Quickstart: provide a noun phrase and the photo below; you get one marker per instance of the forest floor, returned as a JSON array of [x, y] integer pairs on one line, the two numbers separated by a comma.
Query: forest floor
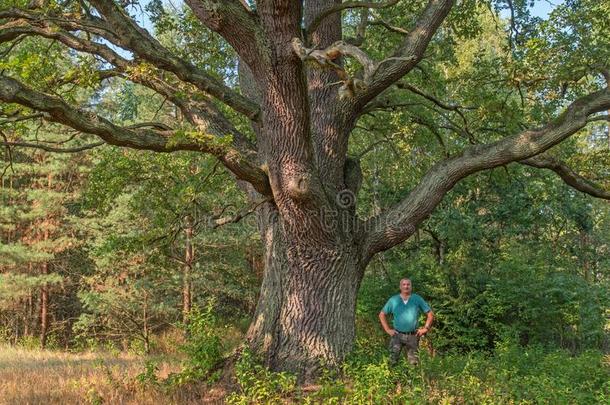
[[509, 375], [47, 377]]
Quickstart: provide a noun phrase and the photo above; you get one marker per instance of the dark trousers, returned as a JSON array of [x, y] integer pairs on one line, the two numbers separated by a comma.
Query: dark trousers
[[411, 345]]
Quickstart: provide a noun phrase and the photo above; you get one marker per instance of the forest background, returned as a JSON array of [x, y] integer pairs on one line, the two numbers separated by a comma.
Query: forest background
[[158, 257]]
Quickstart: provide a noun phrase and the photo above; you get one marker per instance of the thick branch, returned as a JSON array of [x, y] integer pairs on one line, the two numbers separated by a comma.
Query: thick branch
[[12, 91], [236, 23], [15, 29], [377, 76], [122, 31], [398, 223], [70, 22], [410, 52], [202, 113], [568, 175], [199, 111], [138, 40], [325, 58]]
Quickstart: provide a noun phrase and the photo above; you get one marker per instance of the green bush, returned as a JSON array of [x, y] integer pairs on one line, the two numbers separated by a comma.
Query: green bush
[[258, 385], [511, 374], [517, 299], [203, 347]]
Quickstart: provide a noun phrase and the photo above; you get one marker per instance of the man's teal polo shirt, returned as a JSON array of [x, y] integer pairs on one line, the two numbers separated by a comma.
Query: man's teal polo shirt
[[405, 315]]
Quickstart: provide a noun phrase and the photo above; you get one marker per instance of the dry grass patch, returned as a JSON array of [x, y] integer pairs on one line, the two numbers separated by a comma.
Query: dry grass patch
[[46, 377]]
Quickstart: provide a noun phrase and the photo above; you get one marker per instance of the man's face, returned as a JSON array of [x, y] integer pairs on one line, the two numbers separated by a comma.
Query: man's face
[[405, 286]]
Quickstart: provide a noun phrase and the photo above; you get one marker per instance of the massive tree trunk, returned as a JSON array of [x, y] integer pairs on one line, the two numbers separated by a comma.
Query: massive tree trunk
[[306, 310], [313, 260]]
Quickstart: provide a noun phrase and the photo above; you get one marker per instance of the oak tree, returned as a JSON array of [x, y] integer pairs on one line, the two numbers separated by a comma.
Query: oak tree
[[307, 77]]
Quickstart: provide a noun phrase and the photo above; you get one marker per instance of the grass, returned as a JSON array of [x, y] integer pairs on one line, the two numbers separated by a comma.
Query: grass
[[48, 377], [509, 375]]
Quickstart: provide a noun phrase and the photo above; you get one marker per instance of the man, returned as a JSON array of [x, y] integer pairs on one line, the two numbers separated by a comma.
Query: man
[[405, 309]]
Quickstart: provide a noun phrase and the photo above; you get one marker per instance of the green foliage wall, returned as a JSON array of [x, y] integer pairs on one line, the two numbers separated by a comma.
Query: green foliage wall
[[527, 270]]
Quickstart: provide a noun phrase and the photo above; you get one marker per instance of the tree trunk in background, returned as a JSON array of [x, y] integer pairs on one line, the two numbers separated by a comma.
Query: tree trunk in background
[[44, 309], [608, 131], [44, 290], [188, 267], [584, 254], [145, 327], [29, 317], [26, 319]]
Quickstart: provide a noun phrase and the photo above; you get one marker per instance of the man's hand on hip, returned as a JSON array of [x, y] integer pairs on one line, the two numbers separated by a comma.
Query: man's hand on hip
[[391, 332], [421, 332]]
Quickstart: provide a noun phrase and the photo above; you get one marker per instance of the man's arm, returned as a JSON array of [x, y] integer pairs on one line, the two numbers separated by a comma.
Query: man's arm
[[384, 323], [427, 325]]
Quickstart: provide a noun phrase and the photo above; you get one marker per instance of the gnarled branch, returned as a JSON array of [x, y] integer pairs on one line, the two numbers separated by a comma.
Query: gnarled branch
[[12, 91], [119, 29], [237, 24], [138, 40], [569, 176], [399, 222], [18, 28], [202, 113], [325, 58], [409, 53]]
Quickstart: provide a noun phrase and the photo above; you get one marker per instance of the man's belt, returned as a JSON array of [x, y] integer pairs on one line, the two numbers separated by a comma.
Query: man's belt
[[405, 333]]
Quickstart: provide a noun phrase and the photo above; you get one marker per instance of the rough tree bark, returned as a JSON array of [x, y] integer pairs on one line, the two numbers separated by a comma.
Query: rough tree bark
[[306, 310], [302, 106]]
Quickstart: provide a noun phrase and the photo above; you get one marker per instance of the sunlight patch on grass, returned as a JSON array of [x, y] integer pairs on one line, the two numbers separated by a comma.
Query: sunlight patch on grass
[[47, 377]]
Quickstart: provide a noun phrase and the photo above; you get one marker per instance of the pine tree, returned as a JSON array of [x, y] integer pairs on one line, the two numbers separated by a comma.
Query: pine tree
[[37, 191]]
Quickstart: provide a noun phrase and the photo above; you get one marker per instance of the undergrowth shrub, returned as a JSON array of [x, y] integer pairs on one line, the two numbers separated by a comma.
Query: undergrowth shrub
[[203, 349], [203, 346], [511, 374], [258, 385]]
